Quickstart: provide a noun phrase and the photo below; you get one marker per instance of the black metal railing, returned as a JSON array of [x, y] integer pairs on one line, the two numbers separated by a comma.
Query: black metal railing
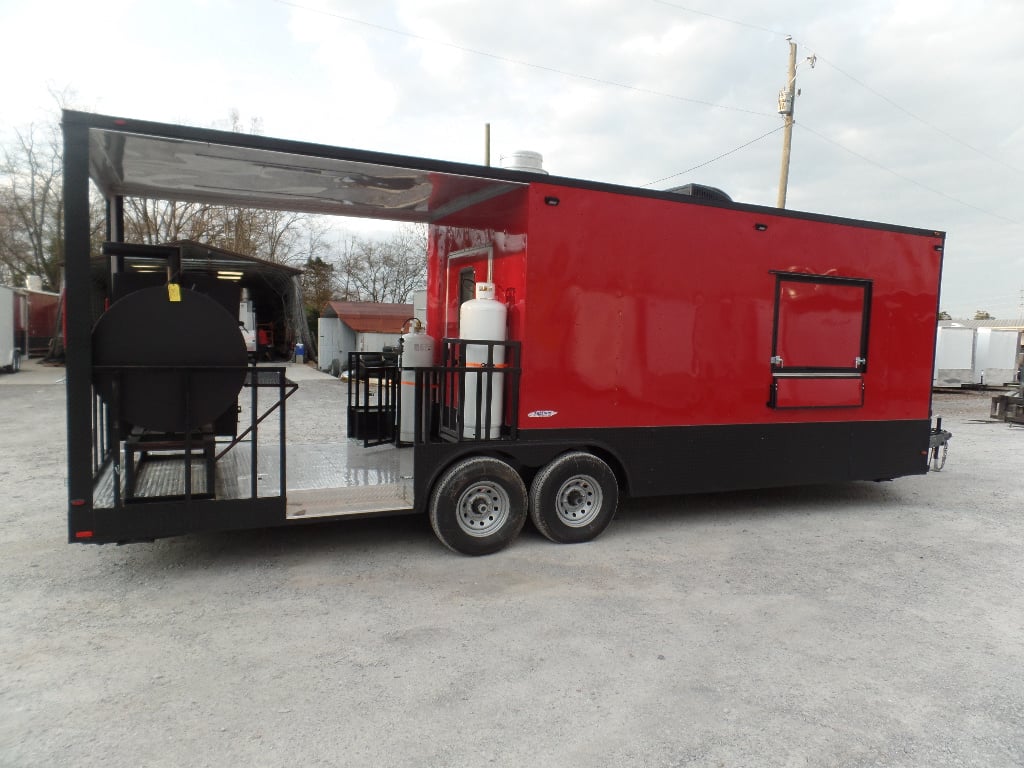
[[373, 397], [101, 453], [478, 390], [472, 395], [122, 449]]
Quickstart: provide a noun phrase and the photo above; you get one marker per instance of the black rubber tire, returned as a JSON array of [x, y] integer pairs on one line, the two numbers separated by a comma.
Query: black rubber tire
[[478, 507], [574, 498]]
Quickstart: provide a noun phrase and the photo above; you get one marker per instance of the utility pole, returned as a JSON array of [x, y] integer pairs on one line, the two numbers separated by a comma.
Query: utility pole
[[487, 143], [787, 98]]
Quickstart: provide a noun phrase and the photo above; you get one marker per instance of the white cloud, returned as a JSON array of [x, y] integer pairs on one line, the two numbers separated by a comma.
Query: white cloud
[[406, 80]]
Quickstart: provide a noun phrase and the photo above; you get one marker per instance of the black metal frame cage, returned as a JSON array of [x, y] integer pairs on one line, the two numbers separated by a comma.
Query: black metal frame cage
[[127, 483]]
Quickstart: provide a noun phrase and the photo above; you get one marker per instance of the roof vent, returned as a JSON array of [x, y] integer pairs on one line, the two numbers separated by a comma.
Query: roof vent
[[702, 192], [524, 160]]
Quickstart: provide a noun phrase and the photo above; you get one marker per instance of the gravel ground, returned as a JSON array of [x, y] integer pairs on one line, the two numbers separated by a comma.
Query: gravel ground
[[860, 625]]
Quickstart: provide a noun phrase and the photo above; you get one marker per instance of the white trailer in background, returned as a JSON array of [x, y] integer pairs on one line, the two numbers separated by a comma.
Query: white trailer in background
[[954, 356], [995, 356], [11, 330]]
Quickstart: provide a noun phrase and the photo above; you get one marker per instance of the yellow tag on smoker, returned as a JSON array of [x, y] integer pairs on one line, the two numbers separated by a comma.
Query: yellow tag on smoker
[[173, 292]]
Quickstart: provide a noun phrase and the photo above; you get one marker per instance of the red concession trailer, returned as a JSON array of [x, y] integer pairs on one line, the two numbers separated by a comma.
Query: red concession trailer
[[584, 342], [43, 309], [28, 318]]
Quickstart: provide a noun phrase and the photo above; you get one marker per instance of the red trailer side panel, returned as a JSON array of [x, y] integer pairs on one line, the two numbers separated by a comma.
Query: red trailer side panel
[[648, 312]]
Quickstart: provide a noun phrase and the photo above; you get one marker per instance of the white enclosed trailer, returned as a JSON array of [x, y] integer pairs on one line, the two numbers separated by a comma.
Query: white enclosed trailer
[[954, 356], [10, 344], [995, 356]]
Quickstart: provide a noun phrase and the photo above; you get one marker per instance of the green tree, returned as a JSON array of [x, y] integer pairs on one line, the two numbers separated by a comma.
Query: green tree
[[944, 315], [981, 314], [318, 283]]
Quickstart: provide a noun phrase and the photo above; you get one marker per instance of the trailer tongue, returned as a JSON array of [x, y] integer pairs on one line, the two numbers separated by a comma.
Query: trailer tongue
[[583, 342]]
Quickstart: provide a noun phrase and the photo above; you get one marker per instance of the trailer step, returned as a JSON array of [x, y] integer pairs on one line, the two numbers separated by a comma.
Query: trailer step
[[350, 501]]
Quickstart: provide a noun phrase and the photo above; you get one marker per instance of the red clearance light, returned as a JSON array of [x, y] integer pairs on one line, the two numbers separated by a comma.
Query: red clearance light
[[120, 121], [78, 502], [83, 534]]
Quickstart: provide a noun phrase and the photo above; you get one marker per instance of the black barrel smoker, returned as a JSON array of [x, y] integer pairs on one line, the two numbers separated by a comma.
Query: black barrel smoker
[[169, 362]]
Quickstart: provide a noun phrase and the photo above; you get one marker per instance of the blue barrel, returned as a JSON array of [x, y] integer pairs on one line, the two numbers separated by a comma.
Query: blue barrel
[[300, 353]]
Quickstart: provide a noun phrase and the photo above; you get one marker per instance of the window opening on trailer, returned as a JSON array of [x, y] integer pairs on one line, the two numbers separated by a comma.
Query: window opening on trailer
[[819, 341], [467, 285], [821, 324]]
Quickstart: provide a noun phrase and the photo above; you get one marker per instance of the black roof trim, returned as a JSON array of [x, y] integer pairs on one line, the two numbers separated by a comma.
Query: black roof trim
[[477, 176]]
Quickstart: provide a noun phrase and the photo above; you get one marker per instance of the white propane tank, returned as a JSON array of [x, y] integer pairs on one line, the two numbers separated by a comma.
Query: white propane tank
[[483, 318], [417, 352]]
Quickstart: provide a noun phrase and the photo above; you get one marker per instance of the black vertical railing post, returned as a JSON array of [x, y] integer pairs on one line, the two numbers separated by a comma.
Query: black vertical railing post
[[513, 389], [283, 486], [187, 374], [254, 442], [417, 405], [104, 428], [95, 436], [115, 426], [485, 433]]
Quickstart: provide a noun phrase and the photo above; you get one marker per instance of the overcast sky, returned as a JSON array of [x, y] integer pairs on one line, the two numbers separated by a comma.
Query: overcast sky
[[912, 115]]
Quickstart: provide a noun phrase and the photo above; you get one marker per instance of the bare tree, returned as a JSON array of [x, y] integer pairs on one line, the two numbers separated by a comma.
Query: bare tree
[[31, 228], [159, 221], [278, 236], [387, 270], [31, 200]]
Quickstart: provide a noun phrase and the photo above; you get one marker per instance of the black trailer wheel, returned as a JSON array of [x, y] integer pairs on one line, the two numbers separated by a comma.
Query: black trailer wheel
[[478, 506], [574, 498]]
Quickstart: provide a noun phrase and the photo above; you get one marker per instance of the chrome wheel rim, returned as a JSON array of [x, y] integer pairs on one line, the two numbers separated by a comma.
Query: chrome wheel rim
[[578, 501], [483, 508]]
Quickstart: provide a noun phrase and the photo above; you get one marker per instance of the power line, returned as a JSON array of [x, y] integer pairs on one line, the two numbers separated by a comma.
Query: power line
[[853, 79], [676, 97], [899, 175], [719, 18], [719, 157], [521, 62], [918, 118]]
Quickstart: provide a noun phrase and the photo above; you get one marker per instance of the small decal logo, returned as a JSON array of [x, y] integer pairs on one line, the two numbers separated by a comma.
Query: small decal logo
[[541, 414]]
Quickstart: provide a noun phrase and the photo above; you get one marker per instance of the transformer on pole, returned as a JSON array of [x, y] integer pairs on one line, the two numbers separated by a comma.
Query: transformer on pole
[[787, 98]]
